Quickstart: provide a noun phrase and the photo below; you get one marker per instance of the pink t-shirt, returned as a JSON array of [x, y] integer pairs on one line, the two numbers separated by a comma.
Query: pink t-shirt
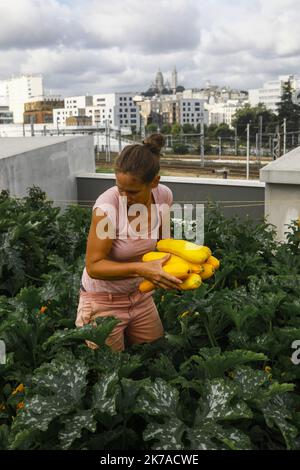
[[132, 247]]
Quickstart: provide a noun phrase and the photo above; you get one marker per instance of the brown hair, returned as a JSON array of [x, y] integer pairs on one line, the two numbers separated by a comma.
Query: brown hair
[[141, 161]]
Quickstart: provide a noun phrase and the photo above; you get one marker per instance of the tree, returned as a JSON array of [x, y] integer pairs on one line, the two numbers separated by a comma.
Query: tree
[[166, 129], [151, 127], [211, 131], [188, 128], [251, 115], [224, 131], [176, 129], [287, 109]]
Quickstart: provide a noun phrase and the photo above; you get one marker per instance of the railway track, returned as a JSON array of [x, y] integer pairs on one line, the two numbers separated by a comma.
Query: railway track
[[212, 168]]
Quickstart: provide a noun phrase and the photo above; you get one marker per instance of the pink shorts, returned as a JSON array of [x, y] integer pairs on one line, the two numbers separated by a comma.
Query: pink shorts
[[140, 322]]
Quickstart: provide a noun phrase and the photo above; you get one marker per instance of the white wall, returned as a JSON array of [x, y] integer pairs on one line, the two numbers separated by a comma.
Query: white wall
[[50, 163]]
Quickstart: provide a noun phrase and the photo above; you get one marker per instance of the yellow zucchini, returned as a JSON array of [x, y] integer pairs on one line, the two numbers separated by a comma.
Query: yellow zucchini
[[191, 252]]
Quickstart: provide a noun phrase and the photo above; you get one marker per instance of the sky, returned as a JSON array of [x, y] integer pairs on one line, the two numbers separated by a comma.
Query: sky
[[98, 46]]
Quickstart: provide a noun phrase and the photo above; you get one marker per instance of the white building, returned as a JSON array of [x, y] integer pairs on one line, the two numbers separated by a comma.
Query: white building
[[192, 111], [74, 106], [219, 113], [19, 91], [118, 109], [271, 92]]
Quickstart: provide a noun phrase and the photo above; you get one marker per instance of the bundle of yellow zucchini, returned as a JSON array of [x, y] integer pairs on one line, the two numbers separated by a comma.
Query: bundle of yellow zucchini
[[190, 262]]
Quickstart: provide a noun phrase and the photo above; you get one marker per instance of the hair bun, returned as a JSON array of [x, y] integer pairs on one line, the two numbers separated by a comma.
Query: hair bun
[[155, 142]]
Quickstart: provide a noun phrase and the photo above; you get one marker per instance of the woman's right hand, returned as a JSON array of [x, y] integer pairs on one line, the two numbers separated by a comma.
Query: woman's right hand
[[153, 271]]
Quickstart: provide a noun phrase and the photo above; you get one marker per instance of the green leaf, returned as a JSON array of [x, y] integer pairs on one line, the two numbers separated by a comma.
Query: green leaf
[[250, 381], [215, 364], [74, 425], [219, 402], [157, 398], [127, 398], [212, 436], [58, 389], [278, 416], [105, 393], [97, 334], [168, 435]]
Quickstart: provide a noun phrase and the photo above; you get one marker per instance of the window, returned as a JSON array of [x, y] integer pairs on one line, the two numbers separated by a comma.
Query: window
[[132, 109], [133, 121]]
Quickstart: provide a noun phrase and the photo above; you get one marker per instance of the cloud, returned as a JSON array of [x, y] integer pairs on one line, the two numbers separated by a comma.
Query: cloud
[[94, 46]]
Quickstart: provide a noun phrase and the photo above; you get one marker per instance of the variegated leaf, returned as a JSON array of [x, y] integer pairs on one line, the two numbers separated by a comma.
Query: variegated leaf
[[74, 425], [168, 435], [157, 398]]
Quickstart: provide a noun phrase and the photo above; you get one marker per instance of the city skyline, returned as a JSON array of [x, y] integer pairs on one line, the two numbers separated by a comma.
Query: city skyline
[[90, 46]]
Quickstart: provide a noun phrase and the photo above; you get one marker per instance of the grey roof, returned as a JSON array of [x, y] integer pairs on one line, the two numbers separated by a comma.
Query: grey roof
[[284, 170], [10, 146]]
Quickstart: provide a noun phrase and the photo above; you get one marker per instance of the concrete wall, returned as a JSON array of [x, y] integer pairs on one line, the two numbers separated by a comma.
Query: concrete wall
[[282, 178], [48, 162], [282, 206], [235, 197]]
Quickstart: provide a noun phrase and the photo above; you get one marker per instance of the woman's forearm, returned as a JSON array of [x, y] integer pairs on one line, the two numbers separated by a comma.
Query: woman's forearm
[[113, 270]]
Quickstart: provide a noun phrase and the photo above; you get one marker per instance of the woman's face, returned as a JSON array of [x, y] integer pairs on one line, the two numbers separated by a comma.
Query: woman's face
[[134, 189]]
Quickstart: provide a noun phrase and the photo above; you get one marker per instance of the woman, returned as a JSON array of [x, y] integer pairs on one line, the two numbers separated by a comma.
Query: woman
[[114, 270]]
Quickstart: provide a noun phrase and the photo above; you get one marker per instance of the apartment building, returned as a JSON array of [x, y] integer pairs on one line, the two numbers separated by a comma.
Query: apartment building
[[39, 110], [192, 111], [19, 90], [118, 109], [271, 92]]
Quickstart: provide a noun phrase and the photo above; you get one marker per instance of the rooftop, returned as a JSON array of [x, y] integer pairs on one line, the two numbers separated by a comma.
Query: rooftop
[[284, 170], [10, 146]]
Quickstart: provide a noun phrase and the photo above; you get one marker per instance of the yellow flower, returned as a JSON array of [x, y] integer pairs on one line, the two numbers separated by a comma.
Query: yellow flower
[[184, 314], [43, 309], [20, 405], [20, 389], [162, 298], [267, 369], [2, 407], [231, 375]]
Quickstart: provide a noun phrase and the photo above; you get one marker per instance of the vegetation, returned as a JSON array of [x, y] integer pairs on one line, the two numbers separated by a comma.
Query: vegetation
[[221, 378]]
